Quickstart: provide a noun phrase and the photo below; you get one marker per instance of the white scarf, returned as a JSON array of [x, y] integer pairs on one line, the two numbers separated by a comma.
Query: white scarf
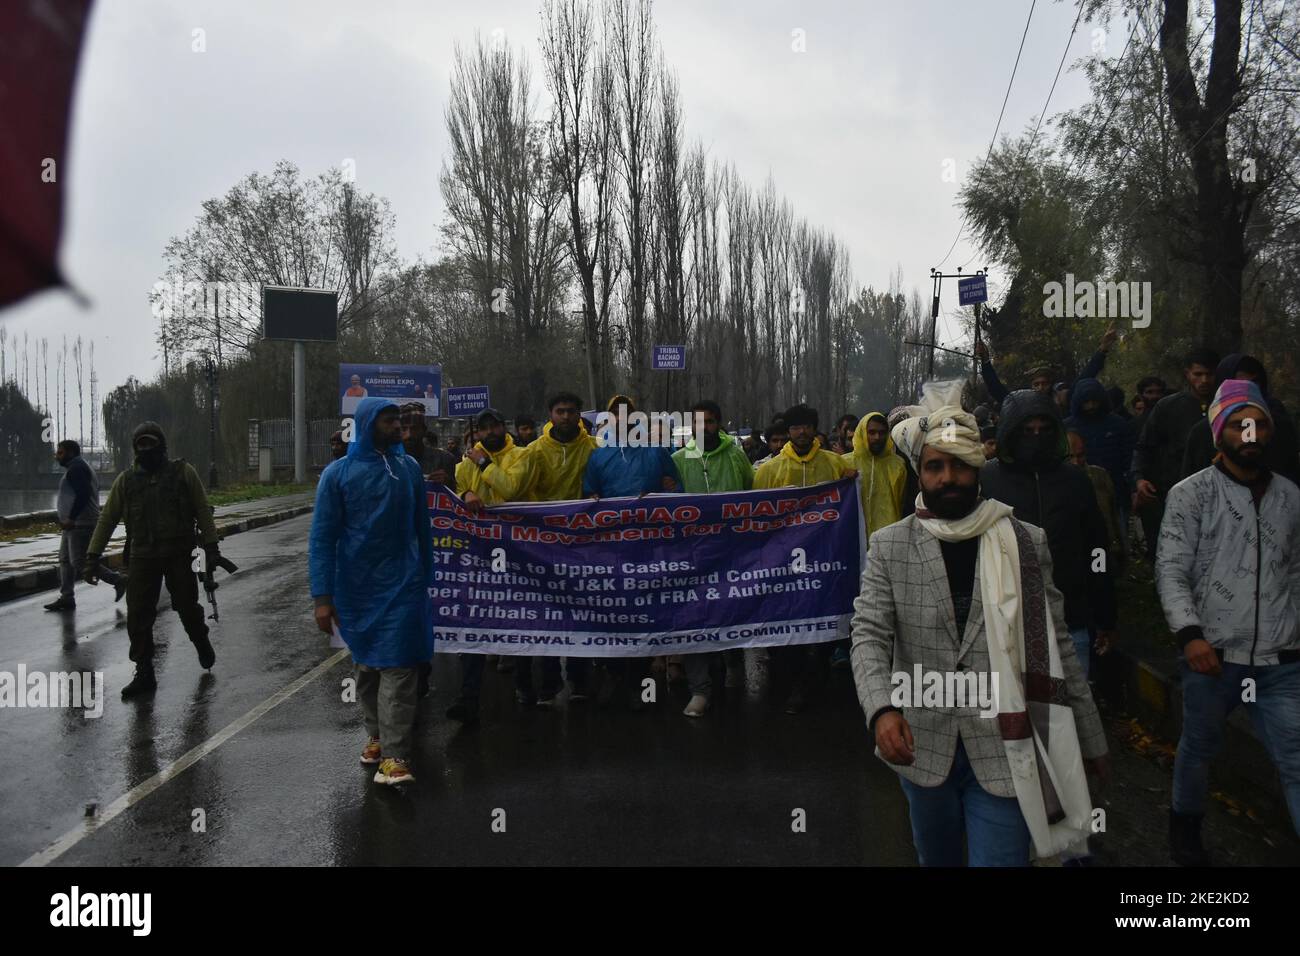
[[1059, 756]]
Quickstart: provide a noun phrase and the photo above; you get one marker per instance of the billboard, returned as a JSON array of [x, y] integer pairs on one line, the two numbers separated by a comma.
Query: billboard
[[300, 315], [401, 383]]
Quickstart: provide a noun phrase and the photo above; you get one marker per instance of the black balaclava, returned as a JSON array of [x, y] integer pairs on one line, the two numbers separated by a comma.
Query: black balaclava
[[1039, 451], [154, 458]]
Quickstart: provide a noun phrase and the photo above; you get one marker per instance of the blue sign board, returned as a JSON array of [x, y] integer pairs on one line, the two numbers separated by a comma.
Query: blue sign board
[[972, 290], [670, 357], [470, 400], [401, 383]]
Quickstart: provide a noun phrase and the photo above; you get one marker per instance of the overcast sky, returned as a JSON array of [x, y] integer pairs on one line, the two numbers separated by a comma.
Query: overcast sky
[[854, 130]]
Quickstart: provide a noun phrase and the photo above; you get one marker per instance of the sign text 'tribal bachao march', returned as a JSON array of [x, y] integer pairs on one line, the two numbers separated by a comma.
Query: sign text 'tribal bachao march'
[[637, 577]]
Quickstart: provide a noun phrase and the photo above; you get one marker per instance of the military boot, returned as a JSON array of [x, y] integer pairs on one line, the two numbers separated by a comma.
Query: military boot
[[207, 656], [144, 681]]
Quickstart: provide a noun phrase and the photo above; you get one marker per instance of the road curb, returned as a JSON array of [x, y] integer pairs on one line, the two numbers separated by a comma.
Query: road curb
[[26, 518], [1152, 693], [18, 584]]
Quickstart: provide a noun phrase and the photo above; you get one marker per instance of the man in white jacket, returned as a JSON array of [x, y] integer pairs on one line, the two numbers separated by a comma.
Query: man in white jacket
[[1228, 573]]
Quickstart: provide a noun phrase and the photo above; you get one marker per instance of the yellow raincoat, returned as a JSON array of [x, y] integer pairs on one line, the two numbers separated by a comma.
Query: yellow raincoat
[[556, 467], [882, 477], [507, 477], [788, 469]]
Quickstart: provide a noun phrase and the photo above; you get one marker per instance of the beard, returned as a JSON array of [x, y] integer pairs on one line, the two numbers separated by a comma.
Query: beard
[[1244, 456], [494, 442], [564, 433], [951, 501]]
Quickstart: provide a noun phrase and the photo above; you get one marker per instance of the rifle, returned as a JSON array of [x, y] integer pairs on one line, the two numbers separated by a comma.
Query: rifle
[[210, 582]]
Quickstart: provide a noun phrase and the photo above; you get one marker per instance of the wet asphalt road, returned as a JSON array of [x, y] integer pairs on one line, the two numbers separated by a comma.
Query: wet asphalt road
[[577, 785]]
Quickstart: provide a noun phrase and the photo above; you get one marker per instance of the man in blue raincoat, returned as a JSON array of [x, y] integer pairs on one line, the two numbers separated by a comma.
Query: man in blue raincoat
[[614, 470], [371, 562]]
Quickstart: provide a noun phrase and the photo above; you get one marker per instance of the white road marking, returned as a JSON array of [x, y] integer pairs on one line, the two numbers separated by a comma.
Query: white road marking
[[174, 769]]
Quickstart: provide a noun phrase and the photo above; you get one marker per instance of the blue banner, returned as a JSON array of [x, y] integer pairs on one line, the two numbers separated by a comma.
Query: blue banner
[[638, 577], [401, 383]]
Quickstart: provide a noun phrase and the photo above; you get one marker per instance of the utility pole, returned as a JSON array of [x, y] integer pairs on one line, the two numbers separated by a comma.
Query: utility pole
[[936, 278]]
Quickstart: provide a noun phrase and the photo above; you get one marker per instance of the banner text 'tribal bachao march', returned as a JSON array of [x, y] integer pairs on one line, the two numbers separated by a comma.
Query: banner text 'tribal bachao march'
[[638, 577]]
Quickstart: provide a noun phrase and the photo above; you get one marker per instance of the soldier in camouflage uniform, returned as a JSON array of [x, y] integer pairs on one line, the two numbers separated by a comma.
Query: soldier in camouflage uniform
[[162, 501]]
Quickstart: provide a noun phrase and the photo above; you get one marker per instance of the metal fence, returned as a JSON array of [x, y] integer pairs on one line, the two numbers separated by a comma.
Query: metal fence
[[277, 434]]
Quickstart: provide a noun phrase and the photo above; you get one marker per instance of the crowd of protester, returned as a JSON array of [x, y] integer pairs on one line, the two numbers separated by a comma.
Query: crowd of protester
[[1034, 499]]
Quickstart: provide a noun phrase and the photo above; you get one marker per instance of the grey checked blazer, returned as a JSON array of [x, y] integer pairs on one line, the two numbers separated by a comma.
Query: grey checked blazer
[[904, 616]]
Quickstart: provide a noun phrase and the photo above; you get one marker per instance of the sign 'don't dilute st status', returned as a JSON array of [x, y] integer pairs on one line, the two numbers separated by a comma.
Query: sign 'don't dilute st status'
[[466, 401], [972, 290]]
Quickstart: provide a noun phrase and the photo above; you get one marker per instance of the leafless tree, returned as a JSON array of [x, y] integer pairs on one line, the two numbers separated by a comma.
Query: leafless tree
[[94, 395], [634, 55], [276, 229], [81, 405], [503, 198], [583, 125]]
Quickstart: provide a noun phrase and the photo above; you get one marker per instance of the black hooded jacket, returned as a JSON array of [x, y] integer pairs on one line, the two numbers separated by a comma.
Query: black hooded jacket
[[1283, 452], [1058, 497]]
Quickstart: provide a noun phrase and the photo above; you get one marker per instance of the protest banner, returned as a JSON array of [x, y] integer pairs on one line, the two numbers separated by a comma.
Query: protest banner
[[635, 577]]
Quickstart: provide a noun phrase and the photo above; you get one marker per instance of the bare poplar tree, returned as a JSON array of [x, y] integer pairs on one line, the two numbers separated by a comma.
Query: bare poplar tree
[[503, 202], [63, 415], [81, 405], [583, 125], [94, 395], [671, 217], [634, 55]]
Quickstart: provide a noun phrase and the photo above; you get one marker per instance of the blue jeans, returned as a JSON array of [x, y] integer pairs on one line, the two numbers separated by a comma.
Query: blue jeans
[[1275, 712], [996, 833], [1082, 638]]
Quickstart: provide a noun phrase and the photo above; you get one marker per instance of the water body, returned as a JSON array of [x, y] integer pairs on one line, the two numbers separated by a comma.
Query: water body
[[18, 502]]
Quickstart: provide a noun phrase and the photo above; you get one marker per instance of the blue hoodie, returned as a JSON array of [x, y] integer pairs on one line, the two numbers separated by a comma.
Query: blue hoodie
[[1108, 439], [371, 548], [615, 471]]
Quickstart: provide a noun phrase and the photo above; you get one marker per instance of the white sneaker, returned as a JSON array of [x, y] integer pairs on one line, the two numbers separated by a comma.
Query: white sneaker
[[697, 706]]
